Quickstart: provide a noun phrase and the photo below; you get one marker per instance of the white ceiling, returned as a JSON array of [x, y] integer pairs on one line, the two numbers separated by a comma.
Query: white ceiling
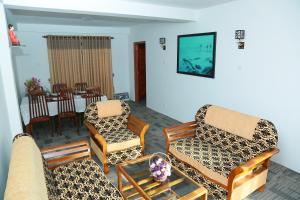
[[178, 8], [192, 4], [39, 17]]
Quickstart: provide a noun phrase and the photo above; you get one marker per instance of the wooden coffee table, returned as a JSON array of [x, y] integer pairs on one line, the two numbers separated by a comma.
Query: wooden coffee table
[[135, 182]]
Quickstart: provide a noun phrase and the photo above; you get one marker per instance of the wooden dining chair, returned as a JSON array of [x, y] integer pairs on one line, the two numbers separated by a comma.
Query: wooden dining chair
[[80, 87], [56, 88], [66, 108], [91, 98], [94, 90], [38, 111]]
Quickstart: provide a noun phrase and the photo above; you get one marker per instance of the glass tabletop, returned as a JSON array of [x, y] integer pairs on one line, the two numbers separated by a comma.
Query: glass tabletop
[[176, 186]]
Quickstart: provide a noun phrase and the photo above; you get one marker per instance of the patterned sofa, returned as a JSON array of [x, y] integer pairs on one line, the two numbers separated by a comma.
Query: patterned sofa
[[226, 151], [115, 138], [53, 174]]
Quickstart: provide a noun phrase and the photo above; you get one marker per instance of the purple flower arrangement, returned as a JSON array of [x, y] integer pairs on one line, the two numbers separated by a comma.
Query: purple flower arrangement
[[160, 169]]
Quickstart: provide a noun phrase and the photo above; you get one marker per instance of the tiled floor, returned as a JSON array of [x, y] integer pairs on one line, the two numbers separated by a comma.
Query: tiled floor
[[283, 183]]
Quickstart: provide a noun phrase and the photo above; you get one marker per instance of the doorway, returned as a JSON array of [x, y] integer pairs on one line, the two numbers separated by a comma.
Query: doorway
[[140, 71]]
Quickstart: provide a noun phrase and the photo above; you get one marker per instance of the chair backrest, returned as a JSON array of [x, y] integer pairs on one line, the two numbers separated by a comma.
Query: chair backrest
[[233, 134], [91, 98], [81, 86], [107, 124], [94, 90], [56, 88], [26, 178], [38, 106], [65, 101]]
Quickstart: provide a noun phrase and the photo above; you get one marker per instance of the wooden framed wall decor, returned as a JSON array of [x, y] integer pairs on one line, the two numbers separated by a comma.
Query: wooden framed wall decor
[[196, 54]]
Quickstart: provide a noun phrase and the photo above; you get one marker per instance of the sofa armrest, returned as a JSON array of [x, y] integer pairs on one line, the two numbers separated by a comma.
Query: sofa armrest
[[61, 154], [247, 170], [139, 127], [97, 137], [179, 131]]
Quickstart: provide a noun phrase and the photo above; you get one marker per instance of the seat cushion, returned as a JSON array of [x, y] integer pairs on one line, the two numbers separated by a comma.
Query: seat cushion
[[209, 159], [120, 140], [83, 180]]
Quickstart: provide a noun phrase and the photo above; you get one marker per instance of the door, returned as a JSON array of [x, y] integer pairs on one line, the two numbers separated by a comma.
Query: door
[[140, 71]]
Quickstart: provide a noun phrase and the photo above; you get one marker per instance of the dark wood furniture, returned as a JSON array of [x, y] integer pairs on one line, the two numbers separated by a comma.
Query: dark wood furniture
[[80, 87], [66, 108], [135, 182], [38, 111], [94, 90], [56, 88], [91, 98]]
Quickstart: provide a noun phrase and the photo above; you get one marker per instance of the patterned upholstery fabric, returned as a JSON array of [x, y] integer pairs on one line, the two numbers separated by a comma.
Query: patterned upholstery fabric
[[264, 138], [214, 191], [50, 182], [208, 155], [83, 180], [107, 124], [119, 136], [114, 130], [127, 154]]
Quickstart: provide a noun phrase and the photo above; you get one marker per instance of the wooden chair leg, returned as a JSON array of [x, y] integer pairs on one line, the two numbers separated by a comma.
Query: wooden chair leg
[[76, 123], [262, 188], [105, 168], [50, 126], [59, 125]]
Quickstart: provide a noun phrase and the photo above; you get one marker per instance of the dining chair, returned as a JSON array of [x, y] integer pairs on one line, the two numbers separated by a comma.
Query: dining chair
[[56, 88], [94, 90], [91, 98], [38, 111], [80, 87], [66, 108]]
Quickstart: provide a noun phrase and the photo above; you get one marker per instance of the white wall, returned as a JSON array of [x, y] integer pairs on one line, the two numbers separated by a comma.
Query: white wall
[[32, 60], [262, 80], [10, 123]]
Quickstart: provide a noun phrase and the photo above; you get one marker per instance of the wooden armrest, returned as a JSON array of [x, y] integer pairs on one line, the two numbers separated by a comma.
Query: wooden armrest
[[248, 167], [61, 154], [139, 127], [98, 138], [179, 131]]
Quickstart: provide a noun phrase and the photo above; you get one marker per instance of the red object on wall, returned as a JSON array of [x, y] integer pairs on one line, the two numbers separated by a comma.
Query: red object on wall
[[14, 40]]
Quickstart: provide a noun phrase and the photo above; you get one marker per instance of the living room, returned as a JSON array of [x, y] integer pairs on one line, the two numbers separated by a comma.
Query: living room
[[248, 80]]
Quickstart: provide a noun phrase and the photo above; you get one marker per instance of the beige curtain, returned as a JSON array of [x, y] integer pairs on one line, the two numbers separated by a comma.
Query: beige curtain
[[81, 59], [97, 63]]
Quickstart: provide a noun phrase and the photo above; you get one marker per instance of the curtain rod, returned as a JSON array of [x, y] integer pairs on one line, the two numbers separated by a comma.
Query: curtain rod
[[46, 36]]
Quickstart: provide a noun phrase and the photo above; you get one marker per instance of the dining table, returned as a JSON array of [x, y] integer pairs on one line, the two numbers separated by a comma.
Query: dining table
[[80, 106]]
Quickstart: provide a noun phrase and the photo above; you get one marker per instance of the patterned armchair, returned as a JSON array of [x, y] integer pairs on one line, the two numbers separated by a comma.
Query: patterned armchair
[[226, 151], [115, 138]]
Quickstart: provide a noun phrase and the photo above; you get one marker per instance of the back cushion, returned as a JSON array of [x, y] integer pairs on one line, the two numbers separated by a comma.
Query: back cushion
[[107, 124], [26, 178], [264, 136]]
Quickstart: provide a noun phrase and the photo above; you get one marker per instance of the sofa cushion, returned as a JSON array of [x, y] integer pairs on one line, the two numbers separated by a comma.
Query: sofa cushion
[[209, 159], [109, 108], [264, 138], [107, 124], [26, 178], [84, 180], [120, 140], [231, 121]]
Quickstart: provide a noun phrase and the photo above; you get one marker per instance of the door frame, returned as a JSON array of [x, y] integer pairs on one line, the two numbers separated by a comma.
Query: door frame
[[136, 80]]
